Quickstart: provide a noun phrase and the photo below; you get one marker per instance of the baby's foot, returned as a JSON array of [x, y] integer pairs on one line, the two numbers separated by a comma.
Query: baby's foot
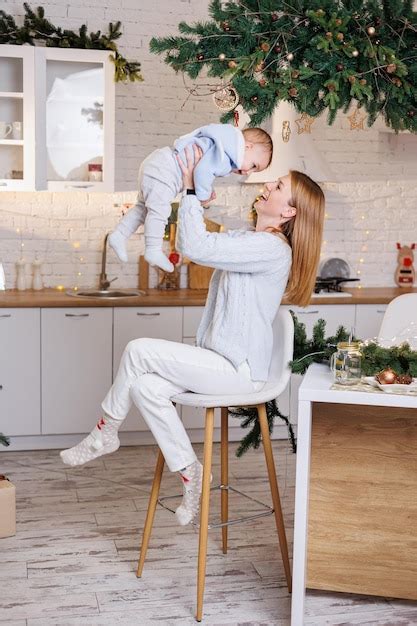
[[118, 242], [192, 479], [154, 256], [103, 439]]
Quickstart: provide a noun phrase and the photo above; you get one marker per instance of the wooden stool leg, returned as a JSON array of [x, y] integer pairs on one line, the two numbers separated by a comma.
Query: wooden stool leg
[[204, 512], [224, 461], [269, 458], [153, 499]]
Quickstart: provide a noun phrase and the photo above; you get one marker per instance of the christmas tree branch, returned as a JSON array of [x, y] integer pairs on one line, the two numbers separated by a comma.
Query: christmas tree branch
[[37, 28]]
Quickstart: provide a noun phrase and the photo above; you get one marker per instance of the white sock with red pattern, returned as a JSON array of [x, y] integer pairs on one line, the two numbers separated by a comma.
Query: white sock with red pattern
[[192, 479], [103, 439]]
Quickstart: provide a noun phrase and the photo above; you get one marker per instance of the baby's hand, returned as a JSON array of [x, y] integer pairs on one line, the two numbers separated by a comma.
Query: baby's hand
[[212, 197]]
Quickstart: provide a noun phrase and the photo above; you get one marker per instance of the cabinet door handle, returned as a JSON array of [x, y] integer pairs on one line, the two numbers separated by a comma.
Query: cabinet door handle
[[3, 184], [77, 314], [6, 315], [1, 387], [78, 186], [380, 311], [147, 314], [306, 312]]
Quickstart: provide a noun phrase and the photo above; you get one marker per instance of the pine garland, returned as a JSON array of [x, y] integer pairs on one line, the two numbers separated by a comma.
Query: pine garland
[[4, 441], [37, 28], [249, 417], [320, 55]]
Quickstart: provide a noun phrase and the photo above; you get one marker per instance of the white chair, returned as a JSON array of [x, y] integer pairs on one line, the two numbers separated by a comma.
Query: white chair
[[279, 376], [400, 312]]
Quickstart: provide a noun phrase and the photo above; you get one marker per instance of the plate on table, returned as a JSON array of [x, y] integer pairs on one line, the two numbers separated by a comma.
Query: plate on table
[[395, 388]]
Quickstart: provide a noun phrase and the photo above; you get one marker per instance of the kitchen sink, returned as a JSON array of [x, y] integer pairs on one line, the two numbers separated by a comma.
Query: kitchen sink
[[105, 293]]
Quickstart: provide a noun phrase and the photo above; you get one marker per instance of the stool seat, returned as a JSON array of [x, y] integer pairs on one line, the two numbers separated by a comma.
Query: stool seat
[[268, 392], [279, 374]]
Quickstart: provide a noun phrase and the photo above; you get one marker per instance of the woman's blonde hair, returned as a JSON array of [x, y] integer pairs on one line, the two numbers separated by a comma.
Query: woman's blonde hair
[[304, 234]]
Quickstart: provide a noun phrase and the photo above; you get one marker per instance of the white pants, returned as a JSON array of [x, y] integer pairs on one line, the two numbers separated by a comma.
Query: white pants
[[159, 182], [152, 371]]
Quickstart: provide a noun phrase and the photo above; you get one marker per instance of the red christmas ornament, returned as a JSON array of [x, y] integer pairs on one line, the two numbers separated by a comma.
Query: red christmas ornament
[[174, 257]]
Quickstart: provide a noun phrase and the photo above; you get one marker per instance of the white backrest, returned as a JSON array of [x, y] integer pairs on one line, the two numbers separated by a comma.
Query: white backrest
[[400, 312], [283, 348]]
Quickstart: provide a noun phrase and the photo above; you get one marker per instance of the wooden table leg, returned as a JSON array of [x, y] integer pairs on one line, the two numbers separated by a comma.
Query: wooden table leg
[[224, 474]]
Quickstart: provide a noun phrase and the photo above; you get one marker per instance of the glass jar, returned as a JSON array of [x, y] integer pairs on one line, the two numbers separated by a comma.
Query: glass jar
[[345, 363]]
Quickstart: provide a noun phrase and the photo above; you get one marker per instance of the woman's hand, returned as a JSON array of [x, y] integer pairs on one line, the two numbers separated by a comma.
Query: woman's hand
[[188, 168]]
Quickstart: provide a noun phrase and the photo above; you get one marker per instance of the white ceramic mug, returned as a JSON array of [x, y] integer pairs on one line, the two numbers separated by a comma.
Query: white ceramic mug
[[5, 130], [17, 130]]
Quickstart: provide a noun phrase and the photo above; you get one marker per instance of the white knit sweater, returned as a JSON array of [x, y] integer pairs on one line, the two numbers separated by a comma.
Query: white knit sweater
[[245, 291]]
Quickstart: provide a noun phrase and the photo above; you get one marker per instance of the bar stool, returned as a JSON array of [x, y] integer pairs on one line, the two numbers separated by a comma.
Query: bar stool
[[279, 374]]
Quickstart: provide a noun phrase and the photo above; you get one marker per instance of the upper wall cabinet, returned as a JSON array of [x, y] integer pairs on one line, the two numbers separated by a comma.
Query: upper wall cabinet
[[17, 118], [64, 100]]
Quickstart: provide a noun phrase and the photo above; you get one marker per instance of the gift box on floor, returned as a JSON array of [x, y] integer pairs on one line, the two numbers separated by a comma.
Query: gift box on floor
[[7, 508]]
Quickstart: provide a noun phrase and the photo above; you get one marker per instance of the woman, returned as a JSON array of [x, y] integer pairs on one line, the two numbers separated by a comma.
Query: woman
[[234, 340]]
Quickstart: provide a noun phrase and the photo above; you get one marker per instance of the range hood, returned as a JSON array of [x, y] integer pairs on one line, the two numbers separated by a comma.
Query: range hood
[[293, 150]]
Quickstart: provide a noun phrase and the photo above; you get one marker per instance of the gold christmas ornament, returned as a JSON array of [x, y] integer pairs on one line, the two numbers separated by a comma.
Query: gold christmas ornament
[[371, 30], [356, 120], [226, 99], [286, 131], [355, 53], [232, 64], [304, 123], [222, 56], [290, 56], [391, 68]]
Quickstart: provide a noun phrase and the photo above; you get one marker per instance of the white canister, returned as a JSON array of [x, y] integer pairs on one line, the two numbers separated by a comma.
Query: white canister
[[37, 282], [21, 275]]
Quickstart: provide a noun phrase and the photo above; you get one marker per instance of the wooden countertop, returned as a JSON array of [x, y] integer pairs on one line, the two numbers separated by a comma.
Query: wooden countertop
[[183, 297]]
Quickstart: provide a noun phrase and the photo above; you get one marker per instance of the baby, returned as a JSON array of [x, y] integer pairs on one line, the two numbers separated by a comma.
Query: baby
[[226, 149]]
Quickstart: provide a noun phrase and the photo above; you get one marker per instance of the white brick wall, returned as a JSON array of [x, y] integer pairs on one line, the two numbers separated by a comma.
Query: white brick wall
[[373, 205]]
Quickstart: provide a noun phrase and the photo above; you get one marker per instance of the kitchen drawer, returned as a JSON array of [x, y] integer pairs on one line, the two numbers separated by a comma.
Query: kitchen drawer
[[135, 322], [369, 319], [192, 318]]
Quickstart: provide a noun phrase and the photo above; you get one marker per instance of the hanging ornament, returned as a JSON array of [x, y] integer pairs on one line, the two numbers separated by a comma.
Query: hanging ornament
[[391, 68], [232, 64], [222, 56], [397, 82], [295, 74], [355, 53], [304, 123], [226, 99], [263, 82], [265, 46], [371, 30], [293, 92], [352, 79], [286, 131], [225, 26], [363, 81], [290, 56], [340, 36], [338, 21], [329, 35], [356, 120]]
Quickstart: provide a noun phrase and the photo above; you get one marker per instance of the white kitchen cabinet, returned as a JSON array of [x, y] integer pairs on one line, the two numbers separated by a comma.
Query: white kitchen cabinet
[[76, 367], [192, 319], [17, 97], [66, 101], [20, 360], [131, 323], [335, 315], [369, 319]]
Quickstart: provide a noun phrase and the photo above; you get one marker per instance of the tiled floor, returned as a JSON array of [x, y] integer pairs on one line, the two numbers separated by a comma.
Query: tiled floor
[[73, 559]]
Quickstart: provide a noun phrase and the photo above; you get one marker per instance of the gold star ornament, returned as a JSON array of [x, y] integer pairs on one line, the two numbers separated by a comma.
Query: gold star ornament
[[356, 120], [304, 123]]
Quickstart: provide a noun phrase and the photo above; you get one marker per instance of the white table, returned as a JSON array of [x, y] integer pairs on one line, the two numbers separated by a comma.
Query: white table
[[315, 388]]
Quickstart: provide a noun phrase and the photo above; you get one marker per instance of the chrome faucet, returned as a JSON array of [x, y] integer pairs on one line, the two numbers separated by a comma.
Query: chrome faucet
[[104, 284]]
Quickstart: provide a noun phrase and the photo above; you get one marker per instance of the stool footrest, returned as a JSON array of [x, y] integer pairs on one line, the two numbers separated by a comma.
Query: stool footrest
[[269, 510]]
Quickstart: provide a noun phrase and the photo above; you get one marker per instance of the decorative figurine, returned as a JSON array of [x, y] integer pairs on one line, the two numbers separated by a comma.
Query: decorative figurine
[[405, 273]]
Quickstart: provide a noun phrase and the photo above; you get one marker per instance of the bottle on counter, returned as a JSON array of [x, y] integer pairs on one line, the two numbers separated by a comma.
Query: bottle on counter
[[37, 282], [21, 275]]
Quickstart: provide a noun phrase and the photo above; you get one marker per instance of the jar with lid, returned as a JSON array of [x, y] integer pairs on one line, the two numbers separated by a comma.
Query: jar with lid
[[95, 172], [345, 363]]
